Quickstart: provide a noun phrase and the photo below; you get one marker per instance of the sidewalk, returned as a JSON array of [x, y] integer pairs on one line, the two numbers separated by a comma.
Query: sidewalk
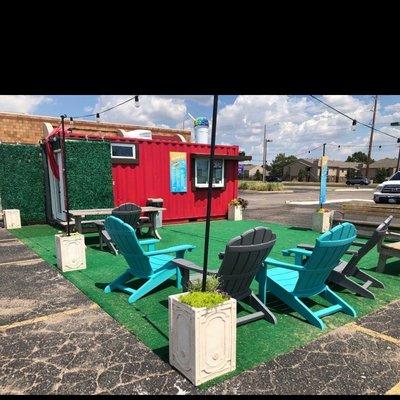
[[54, 340]]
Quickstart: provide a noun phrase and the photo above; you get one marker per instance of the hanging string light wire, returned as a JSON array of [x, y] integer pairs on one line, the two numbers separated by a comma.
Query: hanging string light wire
[[97, 114], [352, 119]]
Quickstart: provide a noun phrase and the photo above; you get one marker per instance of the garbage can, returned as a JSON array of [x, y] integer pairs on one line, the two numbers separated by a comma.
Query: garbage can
[[156, 202]]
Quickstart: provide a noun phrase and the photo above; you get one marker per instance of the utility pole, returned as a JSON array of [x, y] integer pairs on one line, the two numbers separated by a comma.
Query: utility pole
[[371, 137], [398, 141], [265, 151]]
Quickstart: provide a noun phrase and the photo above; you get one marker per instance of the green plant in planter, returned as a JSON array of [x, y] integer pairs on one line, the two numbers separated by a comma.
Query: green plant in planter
[[212, 297], [239, 202]]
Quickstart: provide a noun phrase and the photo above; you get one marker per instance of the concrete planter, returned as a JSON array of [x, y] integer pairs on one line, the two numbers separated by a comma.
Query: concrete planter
[[70, 252], [12, 219], [322, 221], [235, 213], [202, 342]]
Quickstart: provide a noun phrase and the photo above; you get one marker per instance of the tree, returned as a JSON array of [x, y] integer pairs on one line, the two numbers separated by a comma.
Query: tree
[[351, 173], [381, 174], [280, 161], [257, 175], [301, 175], [359, 156]]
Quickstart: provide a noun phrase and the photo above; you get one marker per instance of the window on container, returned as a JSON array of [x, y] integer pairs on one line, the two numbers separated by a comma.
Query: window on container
[[119, 150], [202, 170]]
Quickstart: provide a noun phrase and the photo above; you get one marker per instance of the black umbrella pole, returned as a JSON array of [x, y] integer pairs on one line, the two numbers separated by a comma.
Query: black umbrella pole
[[64, 169], [209, 192]]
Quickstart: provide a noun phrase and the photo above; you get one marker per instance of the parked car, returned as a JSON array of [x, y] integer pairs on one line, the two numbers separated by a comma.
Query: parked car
[[273, 179], [358, 181], [388, 191]]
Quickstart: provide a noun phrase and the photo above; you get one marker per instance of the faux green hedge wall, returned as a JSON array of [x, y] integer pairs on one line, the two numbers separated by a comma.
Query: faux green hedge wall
[[89, 174], [22, 181]]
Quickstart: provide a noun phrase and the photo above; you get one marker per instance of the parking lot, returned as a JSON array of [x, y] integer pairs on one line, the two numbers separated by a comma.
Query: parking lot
[[272, 206]]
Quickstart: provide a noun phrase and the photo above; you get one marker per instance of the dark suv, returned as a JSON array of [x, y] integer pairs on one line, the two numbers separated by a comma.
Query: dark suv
[[358, 181]]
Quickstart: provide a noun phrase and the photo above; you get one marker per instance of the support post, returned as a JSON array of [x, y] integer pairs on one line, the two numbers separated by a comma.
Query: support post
[[209, 192]]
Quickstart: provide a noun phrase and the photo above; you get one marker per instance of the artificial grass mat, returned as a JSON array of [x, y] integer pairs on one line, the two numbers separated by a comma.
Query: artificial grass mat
[[147, 319]]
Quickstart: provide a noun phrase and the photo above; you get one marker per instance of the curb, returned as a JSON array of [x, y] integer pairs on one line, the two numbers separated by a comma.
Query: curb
[[266, 191]]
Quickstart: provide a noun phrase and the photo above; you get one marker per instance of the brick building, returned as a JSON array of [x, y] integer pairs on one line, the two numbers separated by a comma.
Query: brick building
[[24, 128]]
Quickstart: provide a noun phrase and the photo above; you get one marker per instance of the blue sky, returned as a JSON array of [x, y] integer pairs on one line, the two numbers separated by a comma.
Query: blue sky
[[296, 124]]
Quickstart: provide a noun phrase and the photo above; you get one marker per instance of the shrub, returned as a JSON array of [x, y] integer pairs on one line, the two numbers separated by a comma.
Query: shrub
[[239, 202], [243, 185], [208, 299]]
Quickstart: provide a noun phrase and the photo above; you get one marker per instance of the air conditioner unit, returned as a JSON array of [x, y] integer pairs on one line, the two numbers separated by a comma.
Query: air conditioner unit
[[138, 134]]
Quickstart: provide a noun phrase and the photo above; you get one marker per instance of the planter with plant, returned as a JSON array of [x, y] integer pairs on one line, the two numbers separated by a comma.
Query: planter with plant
[[236, 207], [202, 332], [322, 220], [70, 251]]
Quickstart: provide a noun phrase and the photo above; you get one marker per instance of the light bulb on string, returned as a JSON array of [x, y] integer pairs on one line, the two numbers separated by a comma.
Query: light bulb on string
[[98, 118], [71, 122], [353, 125], [137, 105]]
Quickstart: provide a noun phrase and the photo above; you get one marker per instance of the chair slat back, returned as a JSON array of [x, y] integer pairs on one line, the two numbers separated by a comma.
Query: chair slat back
[[243, 258], [124, 236], [376, 237], [328, 250]]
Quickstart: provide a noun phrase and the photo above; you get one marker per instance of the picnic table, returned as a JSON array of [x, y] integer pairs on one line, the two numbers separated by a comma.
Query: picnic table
[[79, 215]]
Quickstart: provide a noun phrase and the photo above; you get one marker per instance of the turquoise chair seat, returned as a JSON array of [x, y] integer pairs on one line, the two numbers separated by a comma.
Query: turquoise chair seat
[[306, 277], [287, 279], [154, 266]]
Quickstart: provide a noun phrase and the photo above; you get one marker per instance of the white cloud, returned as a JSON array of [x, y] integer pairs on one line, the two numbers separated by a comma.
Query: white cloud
[[22, 103], [153, 110], [294, 123]]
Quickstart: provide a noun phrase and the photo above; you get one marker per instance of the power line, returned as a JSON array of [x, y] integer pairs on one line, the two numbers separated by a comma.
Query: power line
[[352, 119], [97, 114]]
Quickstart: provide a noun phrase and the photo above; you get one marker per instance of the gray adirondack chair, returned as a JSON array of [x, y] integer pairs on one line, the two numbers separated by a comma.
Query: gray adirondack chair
[[344, 270], [128, 213], [241, 262]]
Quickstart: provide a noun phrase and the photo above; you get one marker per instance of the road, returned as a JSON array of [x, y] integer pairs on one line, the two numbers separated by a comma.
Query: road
[[273, 208]]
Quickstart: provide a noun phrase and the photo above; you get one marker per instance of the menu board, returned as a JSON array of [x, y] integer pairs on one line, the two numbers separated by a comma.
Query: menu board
[[178, 172]]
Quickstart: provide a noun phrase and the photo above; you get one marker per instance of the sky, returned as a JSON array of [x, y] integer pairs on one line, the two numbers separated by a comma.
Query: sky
[[295, 124]]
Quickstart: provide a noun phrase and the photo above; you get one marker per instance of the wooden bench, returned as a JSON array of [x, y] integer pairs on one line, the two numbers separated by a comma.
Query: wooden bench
[[367, 216]]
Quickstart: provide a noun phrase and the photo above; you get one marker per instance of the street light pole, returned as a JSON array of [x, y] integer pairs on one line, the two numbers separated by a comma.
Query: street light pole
[[398, 141], [265, 151]]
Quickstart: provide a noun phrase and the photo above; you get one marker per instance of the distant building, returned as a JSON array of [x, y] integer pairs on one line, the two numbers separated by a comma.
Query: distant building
[[250, 170], [337, 170], [389, 164]]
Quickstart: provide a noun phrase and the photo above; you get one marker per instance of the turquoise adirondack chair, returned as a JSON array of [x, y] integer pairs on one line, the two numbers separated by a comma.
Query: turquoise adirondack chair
[[154, 266], [306, 278]]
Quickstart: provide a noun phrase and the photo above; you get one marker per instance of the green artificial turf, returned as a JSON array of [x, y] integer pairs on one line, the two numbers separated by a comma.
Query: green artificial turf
[[257, 342]]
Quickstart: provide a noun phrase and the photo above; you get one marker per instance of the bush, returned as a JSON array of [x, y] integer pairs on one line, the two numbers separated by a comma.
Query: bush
[[243, 185], [208, 299], [262, 186]]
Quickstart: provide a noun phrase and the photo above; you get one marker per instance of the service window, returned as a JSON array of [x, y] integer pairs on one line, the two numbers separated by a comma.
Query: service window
[[123, 152], [202, 166]]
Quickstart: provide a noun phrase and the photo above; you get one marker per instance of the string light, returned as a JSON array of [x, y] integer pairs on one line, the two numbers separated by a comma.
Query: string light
[[71, 122], [98, 117], [137, 105], [347, 116], [353, 125]]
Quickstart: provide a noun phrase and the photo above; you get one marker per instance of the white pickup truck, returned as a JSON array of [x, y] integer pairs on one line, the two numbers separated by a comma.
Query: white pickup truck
[[388, 191]]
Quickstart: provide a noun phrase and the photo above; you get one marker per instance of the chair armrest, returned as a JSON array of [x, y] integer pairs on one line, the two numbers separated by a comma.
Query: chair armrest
[[277, 263], [189, 265], [303, 252], [149, 241], [221, 255], [311, 247], [305, 246], [173, 249]]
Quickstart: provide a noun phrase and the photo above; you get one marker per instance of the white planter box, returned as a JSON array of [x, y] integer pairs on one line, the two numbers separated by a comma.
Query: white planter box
[[322, 221], [70, 252], [202, 342], [235, 213], [12, 219]]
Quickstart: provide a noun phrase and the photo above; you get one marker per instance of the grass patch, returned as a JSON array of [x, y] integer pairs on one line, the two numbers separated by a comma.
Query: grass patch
[[261, 186], [257, 342]]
